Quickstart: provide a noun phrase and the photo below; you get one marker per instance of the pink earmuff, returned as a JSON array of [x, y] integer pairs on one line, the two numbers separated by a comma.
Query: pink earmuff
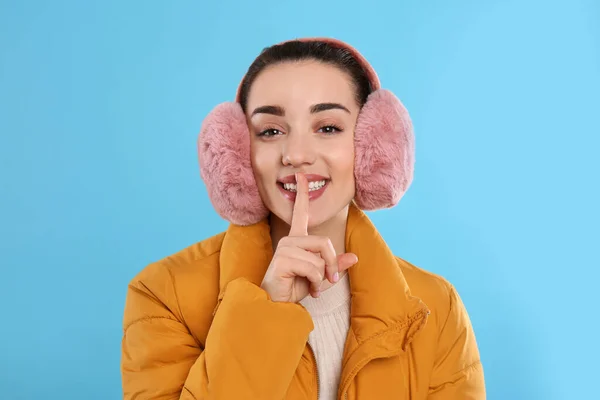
[[384, 153]]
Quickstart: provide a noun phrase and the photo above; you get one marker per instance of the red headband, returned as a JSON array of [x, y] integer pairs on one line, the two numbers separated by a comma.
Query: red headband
[[369, 71]]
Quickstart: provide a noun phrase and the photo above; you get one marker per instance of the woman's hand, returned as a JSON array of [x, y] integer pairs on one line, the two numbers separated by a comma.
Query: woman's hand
[[301, 261]]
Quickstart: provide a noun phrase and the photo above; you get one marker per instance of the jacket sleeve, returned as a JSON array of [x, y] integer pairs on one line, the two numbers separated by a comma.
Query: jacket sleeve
[[252, 349], [458, 372]]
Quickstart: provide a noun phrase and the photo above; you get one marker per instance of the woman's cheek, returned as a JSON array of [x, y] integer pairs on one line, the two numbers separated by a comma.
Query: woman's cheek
[[342, 151], [264, 158]]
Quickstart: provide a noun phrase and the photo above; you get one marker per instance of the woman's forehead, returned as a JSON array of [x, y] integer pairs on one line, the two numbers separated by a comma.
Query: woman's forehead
[[300, 85]]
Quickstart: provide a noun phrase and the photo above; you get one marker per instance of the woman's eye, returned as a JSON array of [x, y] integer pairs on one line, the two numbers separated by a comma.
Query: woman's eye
[[270, 132], [330, 129]]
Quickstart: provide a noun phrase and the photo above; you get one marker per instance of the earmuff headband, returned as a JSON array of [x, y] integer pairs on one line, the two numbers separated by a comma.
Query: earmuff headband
[[369, 71]]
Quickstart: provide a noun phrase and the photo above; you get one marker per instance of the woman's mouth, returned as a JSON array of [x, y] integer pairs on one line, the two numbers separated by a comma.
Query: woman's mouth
[[312, 186], [316, 188]]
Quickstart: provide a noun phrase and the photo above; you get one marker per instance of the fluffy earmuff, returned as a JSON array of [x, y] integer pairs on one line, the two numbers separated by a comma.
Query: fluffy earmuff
[[225, 165], [384, 155]]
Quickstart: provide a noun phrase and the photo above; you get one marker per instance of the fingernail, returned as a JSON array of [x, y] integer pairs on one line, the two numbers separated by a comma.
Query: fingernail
[[336, 277], [296, 176]]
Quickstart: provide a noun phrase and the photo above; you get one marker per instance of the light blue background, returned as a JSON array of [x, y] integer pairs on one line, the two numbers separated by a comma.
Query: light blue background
[[101, 102]]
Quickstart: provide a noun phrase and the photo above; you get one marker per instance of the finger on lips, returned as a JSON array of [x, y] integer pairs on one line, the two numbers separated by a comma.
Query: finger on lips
[[299, 226], [320, 247]]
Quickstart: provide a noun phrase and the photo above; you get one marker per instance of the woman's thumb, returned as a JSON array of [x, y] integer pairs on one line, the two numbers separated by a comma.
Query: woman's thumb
[[346, 260]]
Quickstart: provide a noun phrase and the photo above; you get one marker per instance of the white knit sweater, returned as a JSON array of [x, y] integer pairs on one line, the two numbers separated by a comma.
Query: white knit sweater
[[331, 317]]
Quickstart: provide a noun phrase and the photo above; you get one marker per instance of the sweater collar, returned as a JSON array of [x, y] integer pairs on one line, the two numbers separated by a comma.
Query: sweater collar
[[330, 300]]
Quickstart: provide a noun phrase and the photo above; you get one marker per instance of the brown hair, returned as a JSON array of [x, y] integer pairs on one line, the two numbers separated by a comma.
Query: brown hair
[[297, 50]]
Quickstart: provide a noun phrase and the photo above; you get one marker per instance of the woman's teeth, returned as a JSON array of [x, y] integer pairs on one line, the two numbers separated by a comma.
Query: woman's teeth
[[311, 186]]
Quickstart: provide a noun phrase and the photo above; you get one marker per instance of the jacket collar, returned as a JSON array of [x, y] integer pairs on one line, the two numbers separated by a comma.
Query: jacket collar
[[381, 298]]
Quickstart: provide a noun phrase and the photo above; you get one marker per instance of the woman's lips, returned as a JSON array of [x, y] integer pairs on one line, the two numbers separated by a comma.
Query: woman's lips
[[312, 194], [309, 177]]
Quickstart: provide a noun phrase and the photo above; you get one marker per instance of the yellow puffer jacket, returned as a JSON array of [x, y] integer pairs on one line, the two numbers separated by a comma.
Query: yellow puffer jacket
[[198, 326]]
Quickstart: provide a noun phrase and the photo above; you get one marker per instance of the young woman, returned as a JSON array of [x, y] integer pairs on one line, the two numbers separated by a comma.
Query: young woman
[[300, 298]]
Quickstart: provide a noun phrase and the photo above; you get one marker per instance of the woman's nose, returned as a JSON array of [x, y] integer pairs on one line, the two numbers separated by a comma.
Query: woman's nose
[[298, 149]]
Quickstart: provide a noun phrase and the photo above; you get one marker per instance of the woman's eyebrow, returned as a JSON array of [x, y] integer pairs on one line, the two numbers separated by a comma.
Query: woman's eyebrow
[[275, 110], [327, 106], [280, 111]]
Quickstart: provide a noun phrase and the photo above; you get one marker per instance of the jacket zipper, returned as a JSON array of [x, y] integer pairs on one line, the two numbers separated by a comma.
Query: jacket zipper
[[317, 372], [316, 368]]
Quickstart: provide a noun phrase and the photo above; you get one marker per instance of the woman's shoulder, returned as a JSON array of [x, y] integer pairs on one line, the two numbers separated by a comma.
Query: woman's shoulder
[[448, 339], [184, 284], [439, 294], [197, 259], [421, 280]]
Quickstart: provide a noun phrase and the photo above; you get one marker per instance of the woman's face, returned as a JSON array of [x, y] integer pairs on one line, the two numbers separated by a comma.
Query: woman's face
[[301, 117]]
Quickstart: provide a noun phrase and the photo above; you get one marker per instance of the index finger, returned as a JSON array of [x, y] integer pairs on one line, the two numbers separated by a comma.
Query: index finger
[[299, 226]]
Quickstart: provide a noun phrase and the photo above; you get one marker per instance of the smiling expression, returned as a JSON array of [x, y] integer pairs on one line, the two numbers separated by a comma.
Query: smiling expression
[[301, 117]]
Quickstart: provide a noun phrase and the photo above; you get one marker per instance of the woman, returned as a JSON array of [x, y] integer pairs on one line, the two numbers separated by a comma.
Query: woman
[[300, 298]]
